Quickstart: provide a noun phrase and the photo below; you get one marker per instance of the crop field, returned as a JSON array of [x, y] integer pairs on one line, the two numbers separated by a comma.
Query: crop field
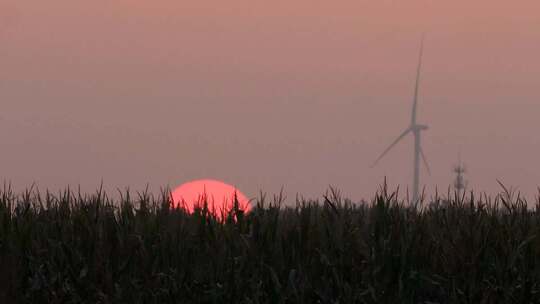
[[71, 248]]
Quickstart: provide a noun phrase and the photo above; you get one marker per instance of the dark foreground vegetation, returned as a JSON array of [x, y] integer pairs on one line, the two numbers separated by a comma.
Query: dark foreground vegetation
[[72, 249]]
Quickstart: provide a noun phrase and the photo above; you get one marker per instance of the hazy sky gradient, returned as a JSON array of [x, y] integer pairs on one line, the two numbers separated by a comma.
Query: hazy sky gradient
[[264, 94]]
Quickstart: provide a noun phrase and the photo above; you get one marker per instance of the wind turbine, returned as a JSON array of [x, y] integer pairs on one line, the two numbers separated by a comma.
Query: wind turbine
[[416, 129], [459, 183]]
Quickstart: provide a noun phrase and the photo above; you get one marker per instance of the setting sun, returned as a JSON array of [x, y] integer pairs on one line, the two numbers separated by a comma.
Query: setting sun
[[220, 196]]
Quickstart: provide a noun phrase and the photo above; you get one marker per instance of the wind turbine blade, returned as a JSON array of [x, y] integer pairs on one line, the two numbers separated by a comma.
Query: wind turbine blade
[[418, 70], [391, 146], [425, 160]]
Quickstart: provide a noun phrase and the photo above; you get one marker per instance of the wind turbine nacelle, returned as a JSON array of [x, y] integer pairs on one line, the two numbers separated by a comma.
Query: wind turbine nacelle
[[420, 127]]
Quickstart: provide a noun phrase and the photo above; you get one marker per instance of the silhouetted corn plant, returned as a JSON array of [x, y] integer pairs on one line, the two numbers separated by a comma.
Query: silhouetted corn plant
[[73, 248]]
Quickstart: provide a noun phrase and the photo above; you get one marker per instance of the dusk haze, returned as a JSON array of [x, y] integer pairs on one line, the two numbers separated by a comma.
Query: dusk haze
[[260, 152], [265, 95]]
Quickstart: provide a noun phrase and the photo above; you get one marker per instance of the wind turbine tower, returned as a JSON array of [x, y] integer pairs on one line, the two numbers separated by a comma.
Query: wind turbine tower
[[459, 183], [416, 129]]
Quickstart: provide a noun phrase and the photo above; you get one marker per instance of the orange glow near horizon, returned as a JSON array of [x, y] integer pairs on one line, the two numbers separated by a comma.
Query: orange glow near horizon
[[218, 195]]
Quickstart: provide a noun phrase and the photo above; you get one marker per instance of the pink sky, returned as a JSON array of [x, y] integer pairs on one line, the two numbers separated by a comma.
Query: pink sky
[[264, 94]]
